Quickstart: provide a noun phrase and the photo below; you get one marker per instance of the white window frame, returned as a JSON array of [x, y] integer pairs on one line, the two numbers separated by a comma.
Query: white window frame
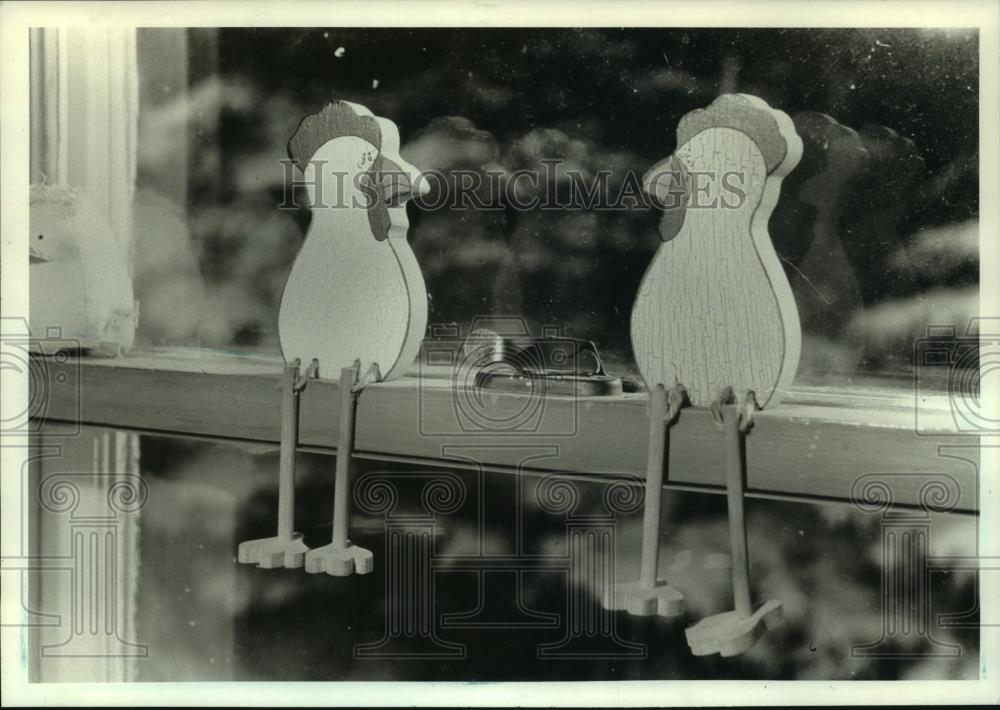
[[85, 106]]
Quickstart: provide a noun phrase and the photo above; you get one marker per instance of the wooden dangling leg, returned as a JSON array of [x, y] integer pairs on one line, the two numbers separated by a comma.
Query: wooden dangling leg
[[286, 549], [735, 490], [345, 445], [647, 595], [734, 632], [341, 557]]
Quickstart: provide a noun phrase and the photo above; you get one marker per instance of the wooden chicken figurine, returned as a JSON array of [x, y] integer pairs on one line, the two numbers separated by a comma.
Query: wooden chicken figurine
[[354, 304], [715, 317]]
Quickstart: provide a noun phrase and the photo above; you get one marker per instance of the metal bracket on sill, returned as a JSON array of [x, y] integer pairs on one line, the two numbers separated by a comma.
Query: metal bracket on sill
[[547, 365]]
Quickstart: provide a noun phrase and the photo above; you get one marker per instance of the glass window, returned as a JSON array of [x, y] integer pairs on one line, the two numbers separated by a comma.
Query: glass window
[[887, 248], [879, 245], [205, 617]]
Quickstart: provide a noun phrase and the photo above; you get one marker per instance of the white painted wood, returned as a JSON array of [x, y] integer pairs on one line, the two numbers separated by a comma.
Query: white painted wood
[[810, 445], [791, 324], [413, 278], [84, 138], [85, 87], [714, 308], [354, 294]]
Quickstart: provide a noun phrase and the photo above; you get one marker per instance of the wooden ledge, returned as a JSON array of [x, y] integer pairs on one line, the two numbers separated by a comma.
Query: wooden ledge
[[814, 446]]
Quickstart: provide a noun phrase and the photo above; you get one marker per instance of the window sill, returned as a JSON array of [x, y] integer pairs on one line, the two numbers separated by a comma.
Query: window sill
[[813, 446]]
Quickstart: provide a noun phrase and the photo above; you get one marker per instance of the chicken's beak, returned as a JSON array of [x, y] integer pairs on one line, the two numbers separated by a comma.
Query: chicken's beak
[[36, 256], [401, 181]]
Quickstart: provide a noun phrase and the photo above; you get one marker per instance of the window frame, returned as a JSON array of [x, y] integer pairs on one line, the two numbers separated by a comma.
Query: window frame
[[85, 108], [812, 447]]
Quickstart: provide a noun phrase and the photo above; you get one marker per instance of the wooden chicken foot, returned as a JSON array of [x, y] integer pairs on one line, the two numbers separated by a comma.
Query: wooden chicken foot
[[286, 549], [341, 557], [372, 374], [734, 632], [649, 595]]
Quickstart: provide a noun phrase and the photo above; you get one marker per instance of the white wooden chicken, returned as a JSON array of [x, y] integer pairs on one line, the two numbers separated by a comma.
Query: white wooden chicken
[[715, 321], [355, 291], [715, 308], [354, 305]]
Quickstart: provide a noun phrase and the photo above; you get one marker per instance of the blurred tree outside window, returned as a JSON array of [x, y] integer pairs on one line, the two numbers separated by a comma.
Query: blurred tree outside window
[[218, 106]]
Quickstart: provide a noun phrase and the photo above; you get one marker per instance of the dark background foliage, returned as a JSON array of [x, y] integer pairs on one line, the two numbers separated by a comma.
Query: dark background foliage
[[598, 99]]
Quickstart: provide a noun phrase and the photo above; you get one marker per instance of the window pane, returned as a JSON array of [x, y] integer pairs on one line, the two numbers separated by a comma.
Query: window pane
[[205, 617], [873, 261]]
